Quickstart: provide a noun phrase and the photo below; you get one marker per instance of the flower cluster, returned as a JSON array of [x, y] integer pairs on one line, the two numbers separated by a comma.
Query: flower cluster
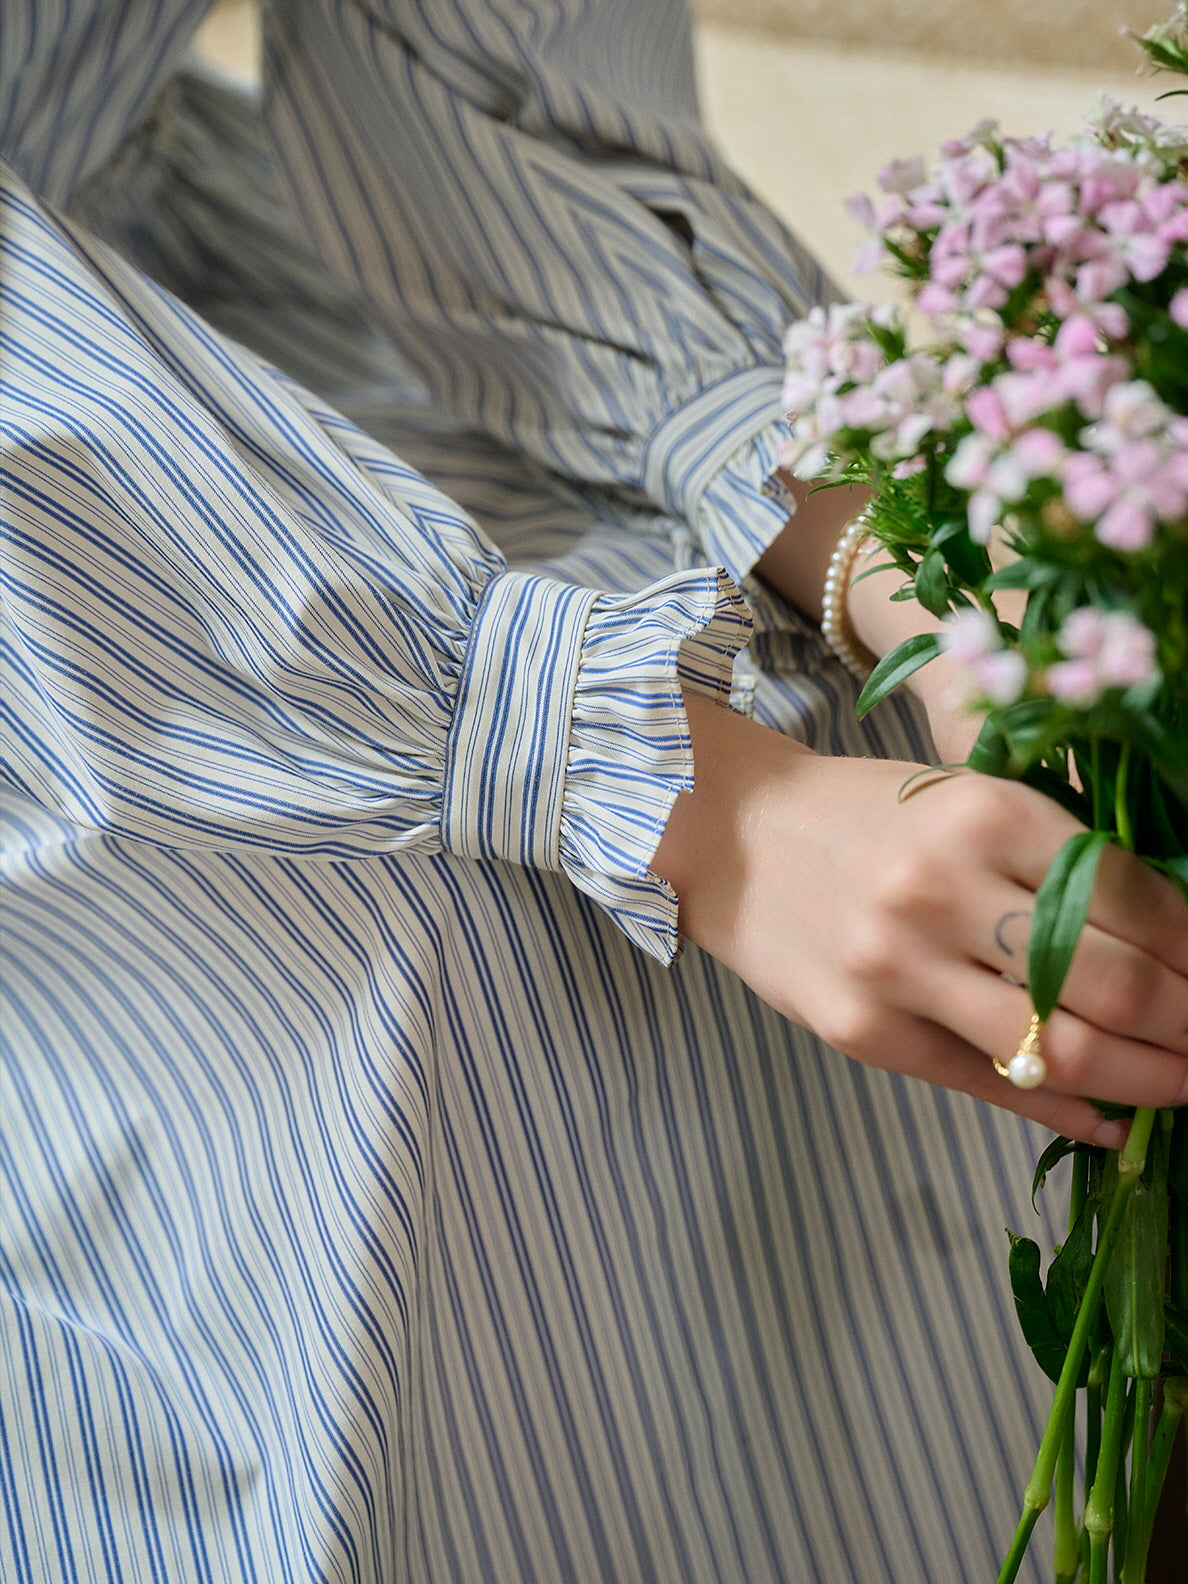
[[1102, 650], [1070, 224], [839, 379], [1130, 475], [1050, 401]]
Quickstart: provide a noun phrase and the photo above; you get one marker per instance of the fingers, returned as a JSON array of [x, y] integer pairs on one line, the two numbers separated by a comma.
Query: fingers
[[991, 1016], [1131, 900], [1135, 902], [939, 1056], [1112, 984]]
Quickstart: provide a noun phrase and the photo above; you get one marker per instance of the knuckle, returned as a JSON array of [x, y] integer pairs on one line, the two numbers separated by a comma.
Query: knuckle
[[908, 886], [1073, 1057], [853, 1027], [874, 951], [1124, 988], [981, 811]]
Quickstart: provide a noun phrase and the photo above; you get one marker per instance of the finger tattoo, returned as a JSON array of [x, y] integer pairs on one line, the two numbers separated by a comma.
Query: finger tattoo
[[1000, 939]]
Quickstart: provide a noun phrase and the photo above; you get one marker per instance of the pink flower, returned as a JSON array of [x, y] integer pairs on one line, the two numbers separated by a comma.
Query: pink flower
[[1077, 337], [969, 465], [1109, 317], [983, 512], [1178, 308], [972, 637], [986, 412], [1126, 525], [1073, 681], [1106, 649], [1100, 278], [936, 300], [970, 634], [982, 341], [1037, 453], [1002, 676], [902, 175], [1006, 264], [959, 373], [1088, 487], [860, 209], [1024, 396], [868, 256], [984, 292], [1127, 653]]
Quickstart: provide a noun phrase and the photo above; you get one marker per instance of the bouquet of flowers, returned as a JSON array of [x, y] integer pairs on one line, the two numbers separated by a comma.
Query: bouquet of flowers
[[1039, 442]]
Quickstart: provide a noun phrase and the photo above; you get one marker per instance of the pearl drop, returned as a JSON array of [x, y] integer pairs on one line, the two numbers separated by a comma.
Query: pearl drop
[[1027, 1070]]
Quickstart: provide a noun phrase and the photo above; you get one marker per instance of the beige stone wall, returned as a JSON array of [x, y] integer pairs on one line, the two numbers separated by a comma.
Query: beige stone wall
[[1062, 33]]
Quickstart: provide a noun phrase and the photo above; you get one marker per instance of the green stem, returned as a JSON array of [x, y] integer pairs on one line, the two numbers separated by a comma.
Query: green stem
[[1131, 1161], [1066, 1547], [1098, 801], [1121, 1501], [1099, 1509], [1175, 1402], [1122, 821], [1093, 1427], [1134, 1569]]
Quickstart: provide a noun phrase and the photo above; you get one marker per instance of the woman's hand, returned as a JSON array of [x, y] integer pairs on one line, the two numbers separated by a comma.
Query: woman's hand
[[887, 926]]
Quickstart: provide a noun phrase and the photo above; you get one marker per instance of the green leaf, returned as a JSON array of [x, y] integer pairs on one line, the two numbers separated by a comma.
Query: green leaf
[[1068, 1276], [1134, 1279], [1168, 751], [1177, 1171], [932, 583], [1024, 573], [1061, 907], [1031, 1306], [1177, 1212], [1059, 790], [1055, 1152], [969, 562], [991, 753], [896, 667], [1171, 830]]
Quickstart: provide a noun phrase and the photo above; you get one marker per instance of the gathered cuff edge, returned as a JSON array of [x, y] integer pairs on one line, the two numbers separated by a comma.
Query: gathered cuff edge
[[630, 751]]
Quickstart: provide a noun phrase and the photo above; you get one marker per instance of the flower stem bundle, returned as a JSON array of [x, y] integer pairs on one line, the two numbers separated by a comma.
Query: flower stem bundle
[[1038, 443]]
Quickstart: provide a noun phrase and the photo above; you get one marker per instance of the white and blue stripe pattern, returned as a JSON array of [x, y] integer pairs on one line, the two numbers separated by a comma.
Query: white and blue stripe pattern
[[372, 1212]]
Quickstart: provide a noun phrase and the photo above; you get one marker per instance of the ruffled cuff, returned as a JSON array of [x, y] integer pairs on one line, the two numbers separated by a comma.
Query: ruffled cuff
[[569, 742], [630, 752], [709, 465]]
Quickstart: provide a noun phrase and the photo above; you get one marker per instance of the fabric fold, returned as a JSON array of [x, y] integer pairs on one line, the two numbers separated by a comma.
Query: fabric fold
[[614, 309], [296, 644]]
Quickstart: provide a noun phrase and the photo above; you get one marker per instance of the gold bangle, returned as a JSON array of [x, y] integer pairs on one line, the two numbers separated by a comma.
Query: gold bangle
[[836, 630]]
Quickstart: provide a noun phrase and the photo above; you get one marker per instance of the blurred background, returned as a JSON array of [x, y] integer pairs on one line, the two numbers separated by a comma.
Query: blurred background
[[809, 98]]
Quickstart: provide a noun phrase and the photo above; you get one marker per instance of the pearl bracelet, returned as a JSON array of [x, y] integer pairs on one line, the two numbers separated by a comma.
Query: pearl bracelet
[[835, 627]]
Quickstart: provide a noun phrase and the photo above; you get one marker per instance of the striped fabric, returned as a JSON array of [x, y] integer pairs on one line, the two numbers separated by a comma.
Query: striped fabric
[[382, 1200]]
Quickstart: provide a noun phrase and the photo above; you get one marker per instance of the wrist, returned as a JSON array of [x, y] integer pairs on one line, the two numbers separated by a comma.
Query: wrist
[[795, 564], [707, 851]]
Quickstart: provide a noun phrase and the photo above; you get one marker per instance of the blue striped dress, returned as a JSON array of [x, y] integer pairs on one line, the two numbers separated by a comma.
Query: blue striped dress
[[385, 1197]]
